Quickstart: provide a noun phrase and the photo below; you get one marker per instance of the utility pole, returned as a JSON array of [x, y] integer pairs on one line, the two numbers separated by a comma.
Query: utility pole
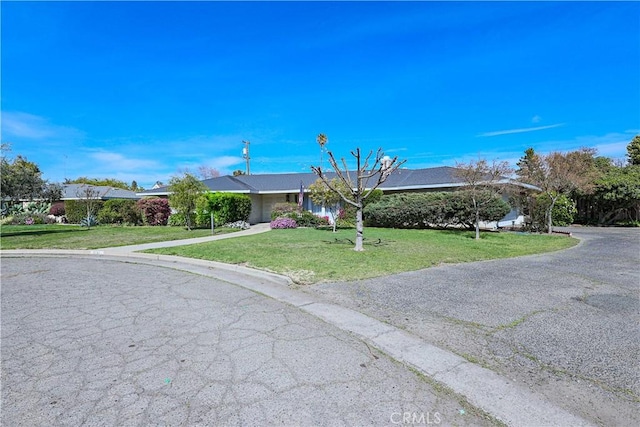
[[245, 155]]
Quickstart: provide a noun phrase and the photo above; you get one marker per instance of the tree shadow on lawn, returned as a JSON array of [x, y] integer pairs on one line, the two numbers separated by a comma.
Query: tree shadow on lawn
[[39, 232]]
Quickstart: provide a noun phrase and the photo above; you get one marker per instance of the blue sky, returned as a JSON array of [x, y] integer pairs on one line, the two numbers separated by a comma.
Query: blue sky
[[143, 90]]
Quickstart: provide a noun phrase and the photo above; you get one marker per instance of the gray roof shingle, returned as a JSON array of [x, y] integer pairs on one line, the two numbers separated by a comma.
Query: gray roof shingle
[[75, 191], [443, 177]]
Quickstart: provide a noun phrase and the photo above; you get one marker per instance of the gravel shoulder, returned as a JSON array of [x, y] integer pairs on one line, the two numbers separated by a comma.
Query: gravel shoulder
[[564, 324]]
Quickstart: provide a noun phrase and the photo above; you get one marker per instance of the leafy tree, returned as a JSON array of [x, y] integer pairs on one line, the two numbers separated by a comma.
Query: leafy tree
[[100, 182], [21, 180], [356, 188], [618, 192], [238, 172], [52, 192], [321, 194], [559, 173], [633, 151], [483, 181], [184, 196]]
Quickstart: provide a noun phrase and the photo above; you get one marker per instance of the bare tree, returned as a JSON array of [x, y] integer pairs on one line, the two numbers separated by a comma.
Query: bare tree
[[356, 183], [484, 182], [90, 197], [206, 172]]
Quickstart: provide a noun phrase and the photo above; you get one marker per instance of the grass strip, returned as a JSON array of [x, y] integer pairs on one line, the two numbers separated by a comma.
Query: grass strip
[[308, 255]]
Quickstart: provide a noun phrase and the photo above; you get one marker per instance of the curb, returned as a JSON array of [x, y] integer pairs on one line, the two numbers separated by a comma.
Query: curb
[[508, 402]]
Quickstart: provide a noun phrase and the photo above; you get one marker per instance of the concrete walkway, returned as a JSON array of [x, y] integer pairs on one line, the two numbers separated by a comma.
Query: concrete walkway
[[255, 229], [483, 388]]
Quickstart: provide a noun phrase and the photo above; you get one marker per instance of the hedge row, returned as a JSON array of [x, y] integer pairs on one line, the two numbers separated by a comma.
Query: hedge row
[[431, 210], [120, 211], [227, 208], [76, 210]]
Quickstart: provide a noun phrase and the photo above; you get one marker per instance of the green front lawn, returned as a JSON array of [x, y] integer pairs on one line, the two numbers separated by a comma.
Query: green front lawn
[[76, 237], [308, 255]]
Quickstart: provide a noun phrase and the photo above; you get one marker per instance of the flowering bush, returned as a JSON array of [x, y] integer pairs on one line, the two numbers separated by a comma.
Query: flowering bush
[[284, 223], [57, 209], [29, 221]]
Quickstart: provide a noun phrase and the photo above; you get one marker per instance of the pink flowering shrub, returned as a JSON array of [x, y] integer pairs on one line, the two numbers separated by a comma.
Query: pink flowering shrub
[[284, 223]]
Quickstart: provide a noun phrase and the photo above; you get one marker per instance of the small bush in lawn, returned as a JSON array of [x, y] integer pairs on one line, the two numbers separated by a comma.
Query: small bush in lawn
[[284, 223]]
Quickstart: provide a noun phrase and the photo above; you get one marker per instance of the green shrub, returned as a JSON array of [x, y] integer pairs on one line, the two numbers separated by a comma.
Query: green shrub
[[76, 210], [177, 220], [431, 210], [226, 207], [281, 210], [374, 197], [120, 211], [563, 213]]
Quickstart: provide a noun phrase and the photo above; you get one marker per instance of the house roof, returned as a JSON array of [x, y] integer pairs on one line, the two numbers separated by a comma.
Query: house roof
[[401, 179], [75, 192]]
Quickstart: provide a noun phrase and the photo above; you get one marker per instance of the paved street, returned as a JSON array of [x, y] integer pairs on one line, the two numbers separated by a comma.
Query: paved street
[[98, 342], [564, 324]]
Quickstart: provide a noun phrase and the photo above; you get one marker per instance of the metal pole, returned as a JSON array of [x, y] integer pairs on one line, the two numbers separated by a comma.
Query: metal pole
[[212, 223], [245, 154]]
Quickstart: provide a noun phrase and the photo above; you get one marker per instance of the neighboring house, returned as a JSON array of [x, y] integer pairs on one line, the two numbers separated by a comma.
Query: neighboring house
[[266, 190], [76, 191]]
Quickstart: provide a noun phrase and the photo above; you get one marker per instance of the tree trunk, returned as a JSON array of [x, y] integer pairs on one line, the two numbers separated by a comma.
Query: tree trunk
[[334, 218], [477, 224], [359, 229], [550, 216]]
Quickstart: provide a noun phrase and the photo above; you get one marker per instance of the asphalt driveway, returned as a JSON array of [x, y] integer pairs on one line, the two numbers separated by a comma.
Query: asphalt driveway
[[97, 342], [565, 324]]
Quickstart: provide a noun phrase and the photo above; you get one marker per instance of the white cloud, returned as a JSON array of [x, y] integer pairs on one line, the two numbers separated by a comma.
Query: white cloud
[[118, 162], [23, 125], [536, 119], [521, 130]]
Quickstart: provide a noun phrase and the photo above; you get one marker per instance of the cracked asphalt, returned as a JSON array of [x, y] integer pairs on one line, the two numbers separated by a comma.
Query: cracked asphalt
[[98, 342], [564, 324]]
